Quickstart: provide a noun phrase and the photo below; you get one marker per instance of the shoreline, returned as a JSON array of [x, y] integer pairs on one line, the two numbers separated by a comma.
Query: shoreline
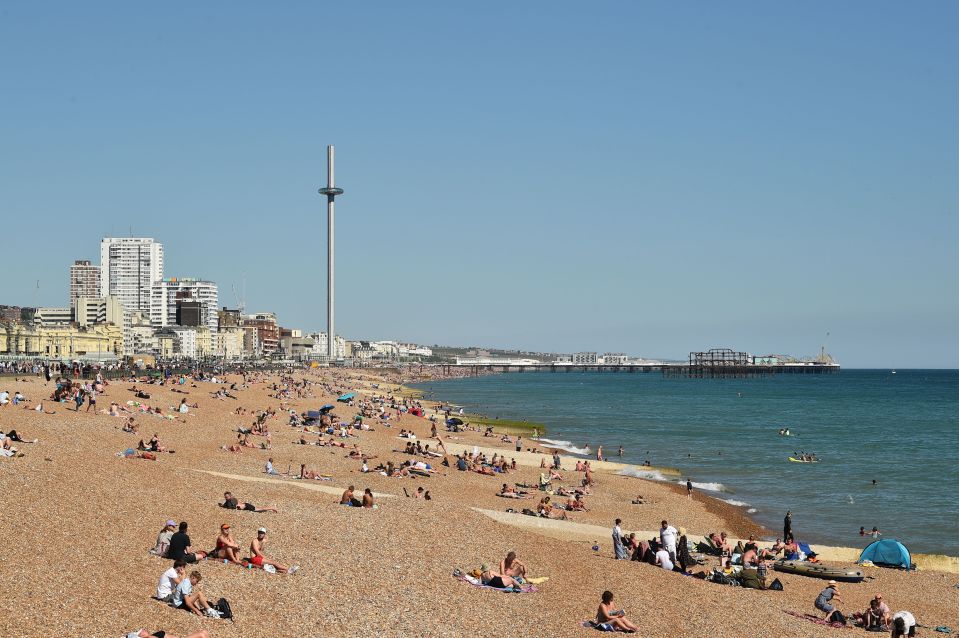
[[738, 520]]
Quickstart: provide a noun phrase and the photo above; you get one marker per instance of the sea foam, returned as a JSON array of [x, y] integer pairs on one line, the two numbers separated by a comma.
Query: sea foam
[[566, 446]]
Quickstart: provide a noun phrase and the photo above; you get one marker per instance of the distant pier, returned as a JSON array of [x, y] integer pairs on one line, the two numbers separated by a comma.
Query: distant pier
[[692, 370]]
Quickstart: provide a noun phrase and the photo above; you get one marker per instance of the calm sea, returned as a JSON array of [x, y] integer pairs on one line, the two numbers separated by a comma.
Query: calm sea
[[900, 429]]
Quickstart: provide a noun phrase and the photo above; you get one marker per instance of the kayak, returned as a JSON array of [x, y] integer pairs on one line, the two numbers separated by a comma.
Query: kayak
[[817, 570], [795, 460]]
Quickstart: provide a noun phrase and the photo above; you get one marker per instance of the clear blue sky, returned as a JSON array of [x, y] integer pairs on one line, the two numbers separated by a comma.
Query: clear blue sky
[[648, 177]]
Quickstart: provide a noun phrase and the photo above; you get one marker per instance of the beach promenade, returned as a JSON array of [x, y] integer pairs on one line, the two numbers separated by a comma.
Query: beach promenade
[[80, 520]]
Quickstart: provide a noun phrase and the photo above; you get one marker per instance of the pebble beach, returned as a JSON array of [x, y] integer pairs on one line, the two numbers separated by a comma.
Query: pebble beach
[[79, 521]]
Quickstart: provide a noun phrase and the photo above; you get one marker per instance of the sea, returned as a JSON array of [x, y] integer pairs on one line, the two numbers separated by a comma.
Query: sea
[[899, 429]]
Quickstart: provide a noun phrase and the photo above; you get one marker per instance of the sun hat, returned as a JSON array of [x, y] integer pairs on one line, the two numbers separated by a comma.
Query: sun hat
[[832, 583], [262, 530]]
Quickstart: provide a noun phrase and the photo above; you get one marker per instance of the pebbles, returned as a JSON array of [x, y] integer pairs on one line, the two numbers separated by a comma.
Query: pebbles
[[75, 533]]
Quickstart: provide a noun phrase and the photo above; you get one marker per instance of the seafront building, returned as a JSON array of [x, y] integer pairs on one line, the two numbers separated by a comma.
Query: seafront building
[[584, 358], [128, 268], [102, 342], [84, 281], [184, 302]]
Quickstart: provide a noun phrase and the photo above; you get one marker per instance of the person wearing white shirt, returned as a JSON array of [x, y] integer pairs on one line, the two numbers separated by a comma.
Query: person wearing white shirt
[[663, 560], [4, 398], [169, 581], [667, 537], [903, 624]]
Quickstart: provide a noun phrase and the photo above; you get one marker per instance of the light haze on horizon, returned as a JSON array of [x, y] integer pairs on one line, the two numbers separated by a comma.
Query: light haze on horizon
[[638, 177]]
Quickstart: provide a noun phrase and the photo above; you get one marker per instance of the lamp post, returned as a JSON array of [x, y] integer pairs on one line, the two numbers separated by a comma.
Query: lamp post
[[331, 192]]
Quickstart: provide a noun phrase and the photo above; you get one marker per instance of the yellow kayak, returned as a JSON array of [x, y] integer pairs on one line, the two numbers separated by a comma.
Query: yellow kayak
[[795, 460]]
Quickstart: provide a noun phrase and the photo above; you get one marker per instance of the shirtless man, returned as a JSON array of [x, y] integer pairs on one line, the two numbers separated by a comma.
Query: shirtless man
[[226, 545], [231, 503], [512, 566], [259, 560], [348, 498]]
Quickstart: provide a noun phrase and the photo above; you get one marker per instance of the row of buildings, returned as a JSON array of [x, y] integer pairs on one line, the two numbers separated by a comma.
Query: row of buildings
[[125, 307]]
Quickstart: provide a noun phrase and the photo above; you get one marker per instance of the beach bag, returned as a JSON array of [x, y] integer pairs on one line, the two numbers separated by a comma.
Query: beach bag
[[223, 606], [776, 585]]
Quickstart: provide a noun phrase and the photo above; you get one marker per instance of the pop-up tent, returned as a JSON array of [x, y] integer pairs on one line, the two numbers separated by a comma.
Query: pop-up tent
[[346, 397], [887, 552]]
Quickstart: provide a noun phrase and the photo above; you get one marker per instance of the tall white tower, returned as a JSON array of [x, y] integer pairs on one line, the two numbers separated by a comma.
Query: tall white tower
[[128, 268], [331, 192]]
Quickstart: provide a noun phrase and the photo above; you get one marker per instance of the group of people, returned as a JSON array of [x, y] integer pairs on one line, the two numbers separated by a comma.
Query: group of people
[[877, 616]]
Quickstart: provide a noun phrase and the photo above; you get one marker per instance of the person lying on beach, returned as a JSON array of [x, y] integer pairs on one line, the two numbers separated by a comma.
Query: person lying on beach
[[186, 596], [512, 566], [231, 503], [349, 499], [169, 581], [614, 619], [512, 492], [494, 579], [226, 546], [257, 559], [146, 633]]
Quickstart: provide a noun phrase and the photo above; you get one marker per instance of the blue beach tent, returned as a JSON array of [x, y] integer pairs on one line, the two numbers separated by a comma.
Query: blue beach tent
[[346, 397], [887, 552]]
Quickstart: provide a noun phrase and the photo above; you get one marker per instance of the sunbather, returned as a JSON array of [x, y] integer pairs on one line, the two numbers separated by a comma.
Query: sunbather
[[616, 619], [226, 545], [512, 566], [494, 579], [257, 559], [231, 503]]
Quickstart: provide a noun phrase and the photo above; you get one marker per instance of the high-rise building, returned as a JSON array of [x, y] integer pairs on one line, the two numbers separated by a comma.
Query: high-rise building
[[128, 268], [170, 294], [91, 311], [84, 281]]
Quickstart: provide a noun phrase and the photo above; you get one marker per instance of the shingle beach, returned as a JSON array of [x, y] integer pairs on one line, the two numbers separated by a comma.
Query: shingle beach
[[79, 520]]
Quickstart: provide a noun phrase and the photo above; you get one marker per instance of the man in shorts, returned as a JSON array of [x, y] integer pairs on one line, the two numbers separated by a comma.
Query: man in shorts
[[259, 560], [231, 503], [185, 596]]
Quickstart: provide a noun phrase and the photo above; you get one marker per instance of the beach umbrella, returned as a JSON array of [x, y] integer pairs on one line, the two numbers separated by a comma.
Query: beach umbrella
[[326, 408], [454, 421]]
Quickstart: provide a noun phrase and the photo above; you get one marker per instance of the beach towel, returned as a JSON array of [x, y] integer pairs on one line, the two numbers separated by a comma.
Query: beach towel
[[816, 619], [599, 626], [476, 582]]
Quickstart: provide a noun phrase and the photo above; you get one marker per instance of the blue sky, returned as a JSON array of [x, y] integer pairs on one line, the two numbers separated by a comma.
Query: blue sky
[[648, 177]]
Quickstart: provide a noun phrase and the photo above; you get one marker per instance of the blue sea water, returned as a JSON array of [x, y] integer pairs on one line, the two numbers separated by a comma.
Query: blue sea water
[[900, 429]]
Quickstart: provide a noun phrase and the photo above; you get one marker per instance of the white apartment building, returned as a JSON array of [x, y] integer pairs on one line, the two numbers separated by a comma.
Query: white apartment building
[[167, 292], [320, 344], [584, 358], [615, 359], [84, 281], [128, 268]]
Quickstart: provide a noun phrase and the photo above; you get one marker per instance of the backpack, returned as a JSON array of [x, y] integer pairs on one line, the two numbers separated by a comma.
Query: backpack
[[223, 606], [776, 585]]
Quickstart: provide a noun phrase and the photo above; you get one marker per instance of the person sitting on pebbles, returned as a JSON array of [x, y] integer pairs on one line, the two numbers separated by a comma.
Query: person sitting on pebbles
[[226, 545], [512, 566], [257, 559], [349, 499], [615, 620]]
